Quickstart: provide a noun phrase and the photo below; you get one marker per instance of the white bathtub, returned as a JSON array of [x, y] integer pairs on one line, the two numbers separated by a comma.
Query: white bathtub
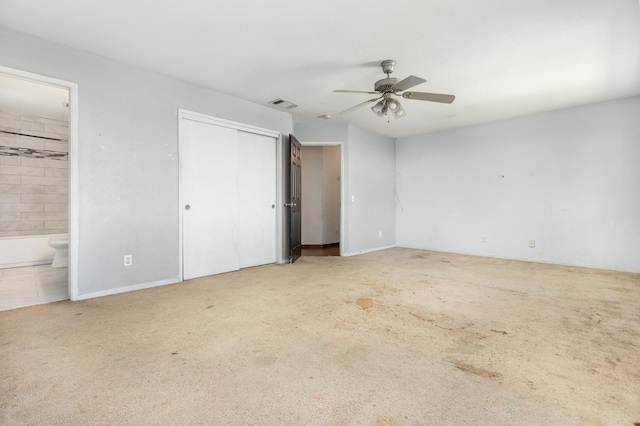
[[26, 251]]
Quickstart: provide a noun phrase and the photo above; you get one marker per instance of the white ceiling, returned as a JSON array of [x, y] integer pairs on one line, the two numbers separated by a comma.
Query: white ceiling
[[501, 58]]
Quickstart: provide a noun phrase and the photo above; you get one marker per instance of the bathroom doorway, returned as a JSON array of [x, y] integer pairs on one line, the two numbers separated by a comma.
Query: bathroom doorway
[[37, 134], [321, 203]]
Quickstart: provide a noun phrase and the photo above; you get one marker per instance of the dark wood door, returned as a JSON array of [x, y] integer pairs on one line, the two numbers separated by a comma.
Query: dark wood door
[[294, 202]]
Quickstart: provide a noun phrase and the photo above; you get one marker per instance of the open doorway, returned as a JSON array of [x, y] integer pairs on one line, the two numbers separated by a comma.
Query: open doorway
[[321, 203], [37, 131]]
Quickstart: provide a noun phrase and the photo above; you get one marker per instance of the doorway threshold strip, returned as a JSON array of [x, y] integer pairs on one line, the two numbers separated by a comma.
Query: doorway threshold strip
[[8, 151]]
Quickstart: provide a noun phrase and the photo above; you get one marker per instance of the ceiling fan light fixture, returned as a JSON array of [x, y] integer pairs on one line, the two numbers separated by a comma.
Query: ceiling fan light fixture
[[385, 109], [393, 105], [377, 108], [399, 112]]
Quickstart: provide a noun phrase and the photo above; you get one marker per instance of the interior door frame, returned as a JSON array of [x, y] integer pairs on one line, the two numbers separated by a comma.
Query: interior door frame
[[184, 114], [73, 202], [343, 191]]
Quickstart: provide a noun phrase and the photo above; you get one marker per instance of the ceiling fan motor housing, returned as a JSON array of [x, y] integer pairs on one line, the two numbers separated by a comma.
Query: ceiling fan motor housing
[[385, 84]]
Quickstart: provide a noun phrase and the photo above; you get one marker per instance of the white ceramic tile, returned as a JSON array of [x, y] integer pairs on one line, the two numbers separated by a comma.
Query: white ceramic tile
[[30, 143], [10, 234], [17, 272], [17, 283], [13, 170], [56, 189], [55, 207], [32, 216], [44, 216], [43, 162], [43, 198], [9, 160], [6, 114], [12, 179], [52, 281], [31, 126], [9, 198], [44, 120], [56, 216], [22, 226], [21, 287], [39, 232], [17, 125], [10, 217], [53, 295], [7, 188], [32, 171], [57, 173], [44, 180], [32, 189], [58, 130], [33, 180], [56, 146], [56, 181], [21, 207], [18, 299], [22, 170], [55, 224]]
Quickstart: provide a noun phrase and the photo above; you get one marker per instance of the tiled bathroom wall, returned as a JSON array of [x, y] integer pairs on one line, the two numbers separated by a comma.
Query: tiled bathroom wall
[[33, 175]]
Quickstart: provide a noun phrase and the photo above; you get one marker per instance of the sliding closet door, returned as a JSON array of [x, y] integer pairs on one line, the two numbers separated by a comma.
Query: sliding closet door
[[209, 169], [257, 199], [228, 187]]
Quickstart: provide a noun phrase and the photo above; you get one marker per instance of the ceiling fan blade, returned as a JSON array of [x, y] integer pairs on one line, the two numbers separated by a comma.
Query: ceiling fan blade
[[433, 97], [407, 83], [361, 104], [355, 91]]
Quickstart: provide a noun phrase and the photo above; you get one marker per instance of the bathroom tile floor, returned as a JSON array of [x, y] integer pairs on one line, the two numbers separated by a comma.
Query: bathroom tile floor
[[32, 285]]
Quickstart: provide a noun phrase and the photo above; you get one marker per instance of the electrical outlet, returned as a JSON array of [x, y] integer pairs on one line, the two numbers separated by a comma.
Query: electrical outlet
[[532, 243], [483, 239], [128, 260]]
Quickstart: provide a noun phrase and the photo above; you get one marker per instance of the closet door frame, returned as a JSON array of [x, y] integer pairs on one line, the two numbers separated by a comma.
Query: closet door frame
[[207, 119]]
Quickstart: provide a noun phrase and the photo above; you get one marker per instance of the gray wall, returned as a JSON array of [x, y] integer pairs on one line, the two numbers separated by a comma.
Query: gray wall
[[321, 195], [370, 180], [570, 180], [128, 157], [331, 195], [368, 174]]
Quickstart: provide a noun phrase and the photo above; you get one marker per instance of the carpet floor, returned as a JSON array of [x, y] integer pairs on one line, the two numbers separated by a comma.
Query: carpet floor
[[396, 337]]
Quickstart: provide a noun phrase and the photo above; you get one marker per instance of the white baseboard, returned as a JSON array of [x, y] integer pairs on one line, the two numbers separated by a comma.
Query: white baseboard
[[127, 289], [355, 253], [523, 259]]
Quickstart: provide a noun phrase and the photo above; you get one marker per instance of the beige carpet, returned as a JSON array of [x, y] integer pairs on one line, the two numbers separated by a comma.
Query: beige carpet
[[398, 337]]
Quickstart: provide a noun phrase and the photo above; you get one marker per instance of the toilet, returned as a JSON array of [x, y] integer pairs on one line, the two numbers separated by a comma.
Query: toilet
[[61, 246]]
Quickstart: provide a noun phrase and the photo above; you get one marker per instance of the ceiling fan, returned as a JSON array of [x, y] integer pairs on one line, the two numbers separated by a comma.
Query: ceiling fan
[[389, 87]]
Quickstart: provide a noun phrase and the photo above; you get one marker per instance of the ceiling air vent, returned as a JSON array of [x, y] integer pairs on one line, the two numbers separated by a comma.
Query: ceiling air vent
[[281, 103]]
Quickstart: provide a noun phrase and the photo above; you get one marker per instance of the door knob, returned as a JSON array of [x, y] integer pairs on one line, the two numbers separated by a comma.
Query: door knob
[[187, 207]]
